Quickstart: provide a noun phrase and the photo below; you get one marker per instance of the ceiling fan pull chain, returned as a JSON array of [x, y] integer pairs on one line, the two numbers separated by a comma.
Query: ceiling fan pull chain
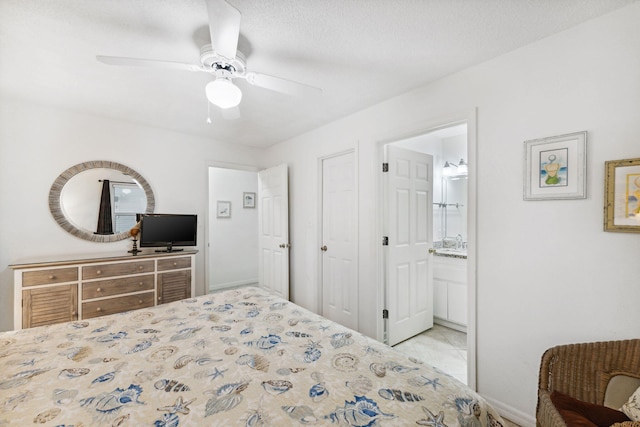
[[208, 112]]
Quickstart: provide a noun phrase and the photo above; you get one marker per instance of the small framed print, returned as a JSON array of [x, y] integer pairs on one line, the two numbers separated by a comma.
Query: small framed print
[[248, 200], [622, 195], [223, 209], [556, 167]]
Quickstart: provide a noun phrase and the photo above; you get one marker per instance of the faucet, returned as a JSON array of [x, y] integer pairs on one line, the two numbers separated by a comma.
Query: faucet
[[459, 241]]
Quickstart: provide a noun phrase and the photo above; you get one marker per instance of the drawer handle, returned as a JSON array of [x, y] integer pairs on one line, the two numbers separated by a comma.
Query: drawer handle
[[98, 309], [73, 313], [98, 271], [139, 301], [175, 264], [98, 289], [159, 298], [140, 267], [52, 277], [140, 284]]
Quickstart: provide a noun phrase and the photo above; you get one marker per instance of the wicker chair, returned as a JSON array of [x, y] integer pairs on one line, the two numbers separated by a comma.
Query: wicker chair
[[583, 371]]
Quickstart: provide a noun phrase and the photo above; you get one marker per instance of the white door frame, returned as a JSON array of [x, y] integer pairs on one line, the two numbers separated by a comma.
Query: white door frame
[[320, 222], [470, 118]]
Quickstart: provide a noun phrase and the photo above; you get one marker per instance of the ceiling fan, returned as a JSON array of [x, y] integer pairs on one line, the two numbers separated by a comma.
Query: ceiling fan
[[223, 60]]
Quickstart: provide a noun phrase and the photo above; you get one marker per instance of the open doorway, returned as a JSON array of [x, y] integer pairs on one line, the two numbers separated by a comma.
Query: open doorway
[[248, 228], [451, 269], [233, 228]]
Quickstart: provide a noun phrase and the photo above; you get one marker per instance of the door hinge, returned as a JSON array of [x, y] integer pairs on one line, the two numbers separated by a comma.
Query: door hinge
[[385, 241], [385, 314], [385, 167]]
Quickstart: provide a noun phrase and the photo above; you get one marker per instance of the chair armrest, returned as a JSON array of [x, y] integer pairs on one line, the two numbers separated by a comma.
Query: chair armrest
[[582, 370], [546, 413]]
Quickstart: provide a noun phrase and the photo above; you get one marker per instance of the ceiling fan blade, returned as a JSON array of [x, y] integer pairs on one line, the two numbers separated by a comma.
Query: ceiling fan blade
[[281, 85], [138, 62], [224, 26], [232, 113]]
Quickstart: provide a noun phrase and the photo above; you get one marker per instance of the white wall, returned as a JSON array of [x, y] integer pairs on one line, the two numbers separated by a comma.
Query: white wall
[[37, 144], [546, 272], [233, 251]]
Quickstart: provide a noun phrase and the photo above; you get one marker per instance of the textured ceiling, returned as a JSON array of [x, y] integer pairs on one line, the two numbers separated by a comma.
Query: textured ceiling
[[359, 52]]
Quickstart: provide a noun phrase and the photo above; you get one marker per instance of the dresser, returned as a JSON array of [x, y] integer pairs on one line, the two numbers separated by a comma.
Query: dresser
[[61, 290]]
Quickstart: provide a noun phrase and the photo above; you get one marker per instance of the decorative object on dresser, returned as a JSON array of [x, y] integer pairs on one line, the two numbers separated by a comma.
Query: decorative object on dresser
[[75, 196], [135, 230], [622, 195], [55, 291]]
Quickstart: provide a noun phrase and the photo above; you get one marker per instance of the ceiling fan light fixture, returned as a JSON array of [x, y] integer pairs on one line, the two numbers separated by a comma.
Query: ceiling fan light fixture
[[223, 93]]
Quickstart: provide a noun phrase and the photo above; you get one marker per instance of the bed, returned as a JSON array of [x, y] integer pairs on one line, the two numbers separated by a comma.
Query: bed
[[241, 357]]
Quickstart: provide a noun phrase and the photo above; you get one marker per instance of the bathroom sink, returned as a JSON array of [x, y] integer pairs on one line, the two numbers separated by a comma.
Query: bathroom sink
[[451, 251]]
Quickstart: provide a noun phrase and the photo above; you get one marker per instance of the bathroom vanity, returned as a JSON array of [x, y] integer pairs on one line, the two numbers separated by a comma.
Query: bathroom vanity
[[450, 289]]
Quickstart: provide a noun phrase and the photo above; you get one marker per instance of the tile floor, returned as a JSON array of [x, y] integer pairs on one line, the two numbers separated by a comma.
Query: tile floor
[[442, 347]]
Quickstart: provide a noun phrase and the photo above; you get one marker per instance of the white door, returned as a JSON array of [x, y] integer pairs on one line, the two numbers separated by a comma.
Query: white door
[[409, 290], [273, 217], [339, 240]]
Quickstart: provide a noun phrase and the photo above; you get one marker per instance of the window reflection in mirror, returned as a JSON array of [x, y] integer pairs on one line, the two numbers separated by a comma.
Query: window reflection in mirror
[[129, 199], [80, 199]]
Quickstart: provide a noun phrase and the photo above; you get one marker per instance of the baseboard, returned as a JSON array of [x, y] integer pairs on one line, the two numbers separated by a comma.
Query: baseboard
[[512, 414], [449, 325], [229, 285]]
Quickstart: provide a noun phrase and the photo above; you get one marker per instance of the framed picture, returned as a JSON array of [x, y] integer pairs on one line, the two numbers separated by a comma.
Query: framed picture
[[622, 195], [224, 209], [248, 200], [555, 167]]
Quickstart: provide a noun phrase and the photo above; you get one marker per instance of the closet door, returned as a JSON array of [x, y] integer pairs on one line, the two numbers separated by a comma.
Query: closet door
[[339, 247]]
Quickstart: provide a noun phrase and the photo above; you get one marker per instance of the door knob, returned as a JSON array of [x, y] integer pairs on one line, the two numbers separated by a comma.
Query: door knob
[[284, 245], [432, 251], [324, 248]]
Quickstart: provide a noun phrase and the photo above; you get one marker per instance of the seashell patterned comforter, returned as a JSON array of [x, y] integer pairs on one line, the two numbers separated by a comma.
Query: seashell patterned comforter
[[240, 357]]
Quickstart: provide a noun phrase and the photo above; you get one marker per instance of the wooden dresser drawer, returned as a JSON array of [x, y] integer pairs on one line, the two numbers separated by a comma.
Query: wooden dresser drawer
[[174, 263], [124, 285], [120, 269], [116, 305], [49, 276]]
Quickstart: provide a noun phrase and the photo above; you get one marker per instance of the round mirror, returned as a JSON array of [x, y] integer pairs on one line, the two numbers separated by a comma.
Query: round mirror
[[99, 200]]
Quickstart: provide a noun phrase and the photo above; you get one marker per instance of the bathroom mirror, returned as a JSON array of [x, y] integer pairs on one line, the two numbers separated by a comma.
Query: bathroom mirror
[[76, 199], [453, 212]]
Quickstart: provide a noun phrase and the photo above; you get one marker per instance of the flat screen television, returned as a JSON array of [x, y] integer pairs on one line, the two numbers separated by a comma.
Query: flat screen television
[[168, 231]]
